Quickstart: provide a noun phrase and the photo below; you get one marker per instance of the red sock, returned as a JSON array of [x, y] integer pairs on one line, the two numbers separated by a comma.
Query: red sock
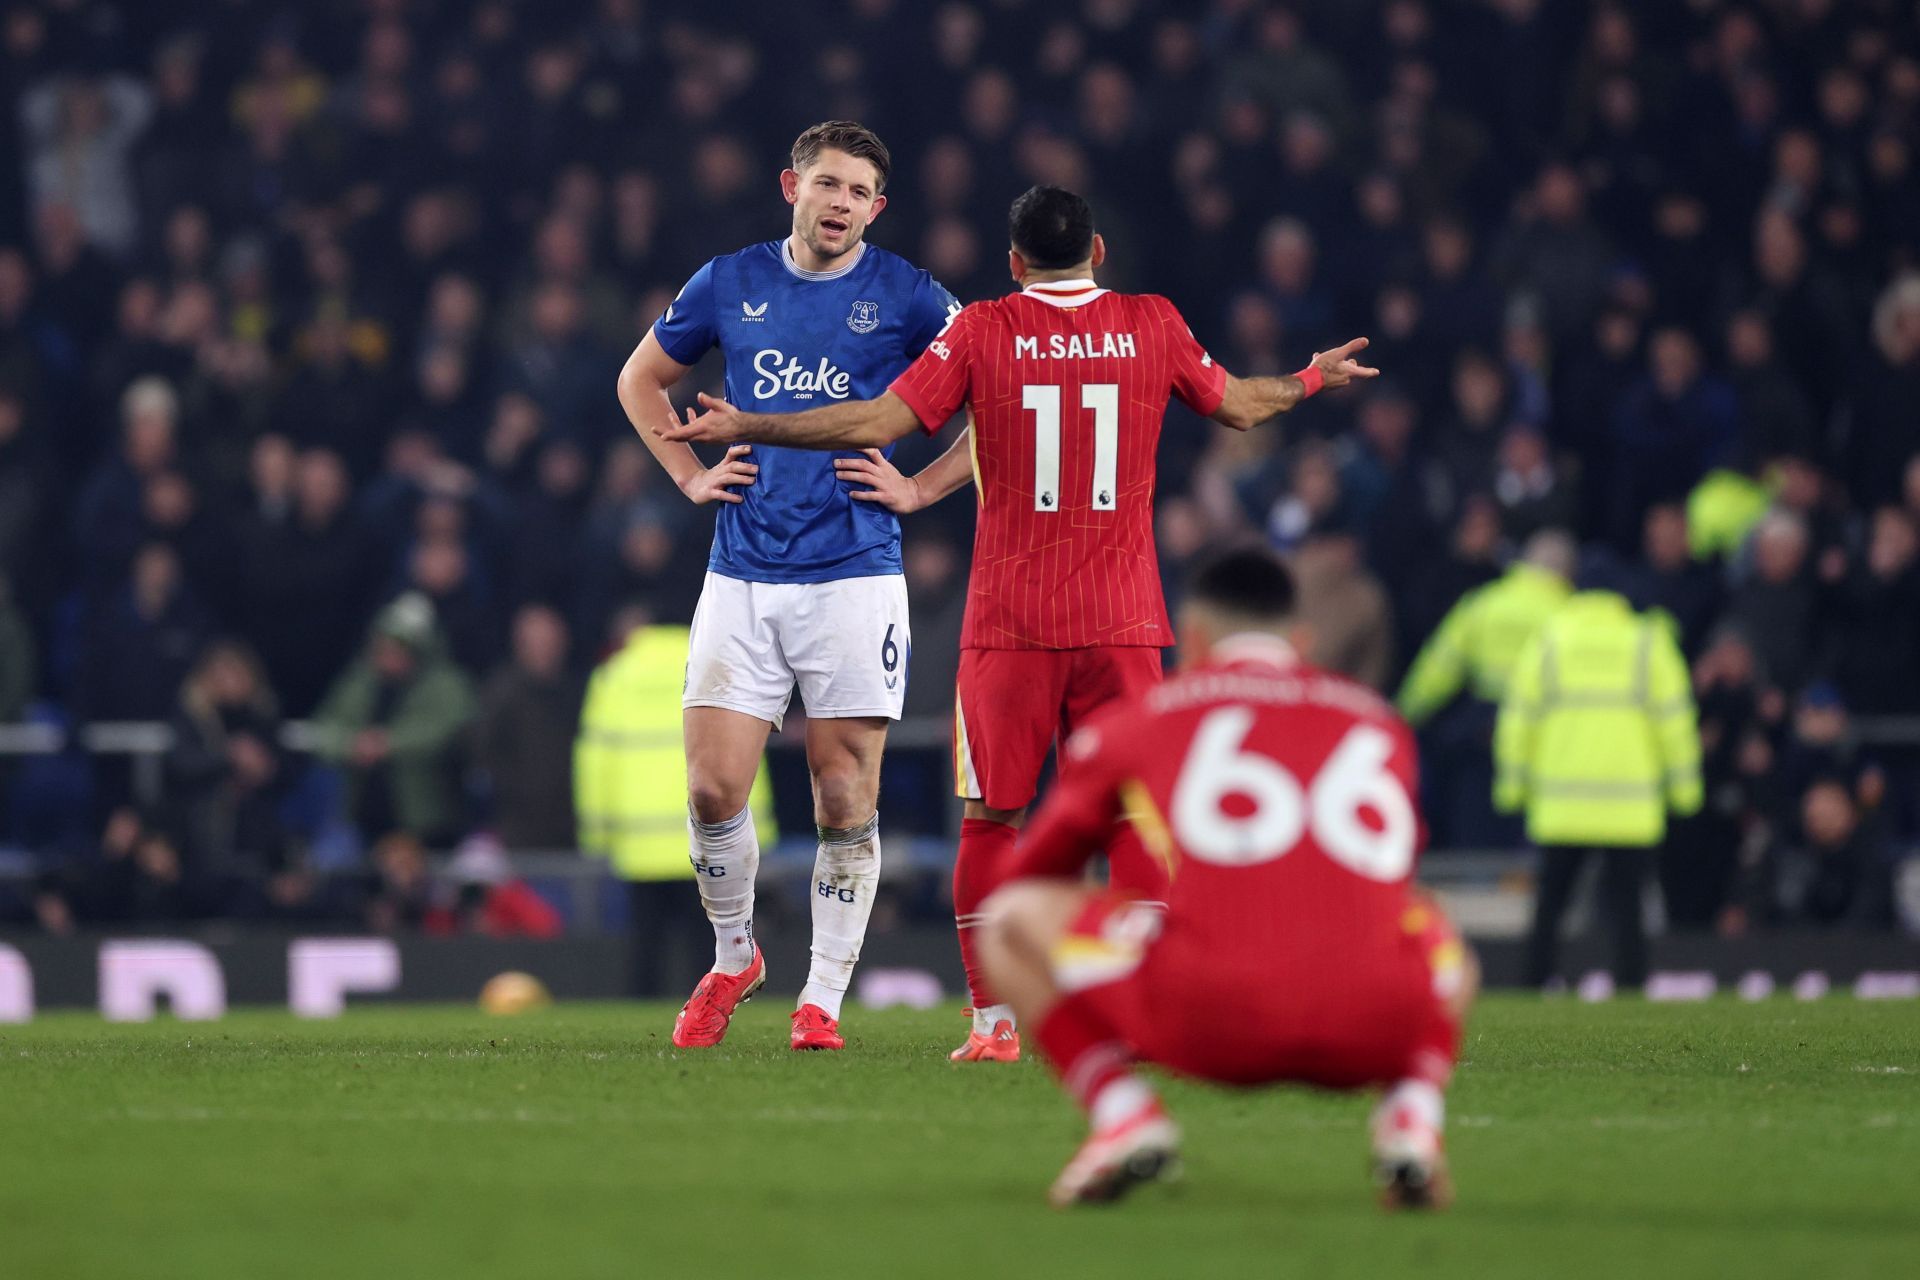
[[986, 848], [1083, 1050], [1130, 866], [1437, 1049]]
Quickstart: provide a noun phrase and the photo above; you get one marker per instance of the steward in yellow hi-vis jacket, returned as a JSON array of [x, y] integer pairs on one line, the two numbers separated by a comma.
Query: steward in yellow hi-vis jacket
[[630, 790], [1453, 689], [1482, 636], [1597, 740]]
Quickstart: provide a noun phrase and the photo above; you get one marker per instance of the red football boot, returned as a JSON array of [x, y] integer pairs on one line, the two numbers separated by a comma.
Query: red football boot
[[703, 1019], [1002, 1044], [813, 1029], [1143, 1148]]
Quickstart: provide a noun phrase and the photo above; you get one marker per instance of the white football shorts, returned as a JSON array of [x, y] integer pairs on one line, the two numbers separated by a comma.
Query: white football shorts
[[844, 643]]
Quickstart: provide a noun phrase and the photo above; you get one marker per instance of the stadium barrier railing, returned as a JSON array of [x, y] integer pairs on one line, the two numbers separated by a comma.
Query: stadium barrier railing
[[1489, 890]]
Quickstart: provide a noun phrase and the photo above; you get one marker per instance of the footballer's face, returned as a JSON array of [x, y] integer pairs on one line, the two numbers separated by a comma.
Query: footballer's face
[[833, 199]]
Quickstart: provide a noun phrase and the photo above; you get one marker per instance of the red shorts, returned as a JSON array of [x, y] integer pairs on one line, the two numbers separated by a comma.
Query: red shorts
[[1011, 705], [1164, 992]]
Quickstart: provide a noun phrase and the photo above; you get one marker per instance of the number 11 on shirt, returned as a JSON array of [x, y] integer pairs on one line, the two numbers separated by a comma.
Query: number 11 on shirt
[[1102, 399]]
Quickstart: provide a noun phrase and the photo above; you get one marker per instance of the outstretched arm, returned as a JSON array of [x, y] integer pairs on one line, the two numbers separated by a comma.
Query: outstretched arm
[[857, 424], [883, 484], [1251, 401]]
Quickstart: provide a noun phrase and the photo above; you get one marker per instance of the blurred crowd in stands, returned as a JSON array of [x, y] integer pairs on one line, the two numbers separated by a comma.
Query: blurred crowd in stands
[[310, 315]]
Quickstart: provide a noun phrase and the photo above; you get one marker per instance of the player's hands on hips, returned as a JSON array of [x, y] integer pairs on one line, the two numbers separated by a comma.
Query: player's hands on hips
[[1338, 366], [715, 484], [883, 482], [720, 424]]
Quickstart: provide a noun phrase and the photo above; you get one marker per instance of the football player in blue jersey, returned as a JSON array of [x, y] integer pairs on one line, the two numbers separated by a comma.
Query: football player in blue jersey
[[804, 585]]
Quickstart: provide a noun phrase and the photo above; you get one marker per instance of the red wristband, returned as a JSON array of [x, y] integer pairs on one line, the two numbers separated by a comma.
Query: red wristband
[[1311, 380]]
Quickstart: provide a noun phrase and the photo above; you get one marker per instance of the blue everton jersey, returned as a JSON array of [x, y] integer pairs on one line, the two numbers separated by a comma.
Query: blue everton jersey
[[796, 340]]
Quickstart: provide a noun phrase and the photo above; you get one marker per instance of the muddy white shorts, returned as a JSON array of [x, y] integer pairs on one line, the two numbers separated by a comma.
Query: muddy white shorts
[[844, 643]]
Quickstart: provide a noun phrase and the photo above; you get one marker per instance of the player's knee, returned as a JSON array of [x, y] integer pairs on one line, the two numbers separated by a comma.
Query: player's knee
[[842, 797], [713, 797]]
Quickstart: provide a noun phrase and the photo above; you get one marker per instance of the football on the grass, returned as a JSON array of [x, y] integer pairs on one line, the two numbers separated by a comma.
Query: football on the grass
[[514, 992]]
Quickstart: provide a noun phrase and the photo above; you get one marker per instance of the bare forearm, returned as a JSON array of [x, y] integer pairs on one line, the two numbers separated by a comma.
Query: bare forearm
[[859, 424], [951, 470], [649, 409], [1251, 401]]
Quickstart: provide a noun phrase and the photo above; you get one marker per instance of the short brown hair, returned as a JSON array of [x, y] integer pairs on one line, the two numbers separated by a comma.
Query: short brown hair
[[849, 136]]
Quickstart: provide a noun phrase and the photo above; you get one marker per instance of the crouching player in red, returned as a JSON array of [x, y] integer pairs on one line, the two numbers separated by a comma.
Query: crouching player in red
[[1292, 948]]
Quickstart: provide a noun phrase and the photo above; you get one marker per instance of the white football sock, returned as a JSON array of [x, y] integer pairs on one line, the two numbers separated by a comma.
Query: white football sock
[[726, 858], [845, 871], [1425, 1101], [984, 1019], [1120, 1101]]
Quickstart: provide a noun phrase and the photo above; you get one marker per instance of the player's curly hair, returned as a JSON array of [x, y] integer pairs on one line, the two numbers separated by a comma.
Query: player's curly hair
[[849, 136]]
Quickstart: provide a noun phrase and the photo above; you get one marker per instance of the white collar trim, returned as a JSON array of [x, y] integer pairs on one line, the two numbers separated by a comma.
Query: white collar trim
[[786, 259], [1254, 646], [1064, 293]]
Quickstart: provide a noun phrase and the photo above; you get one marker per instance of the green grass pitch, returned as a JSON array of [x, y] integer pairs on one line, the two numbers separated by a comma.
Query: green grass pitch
[[1724, 1139]]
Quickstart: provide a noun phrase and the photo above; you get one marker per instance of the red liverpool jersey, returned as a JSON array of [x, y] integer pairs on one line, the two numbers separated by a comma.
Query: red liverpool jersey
[[1281, 796], [1068, 384]]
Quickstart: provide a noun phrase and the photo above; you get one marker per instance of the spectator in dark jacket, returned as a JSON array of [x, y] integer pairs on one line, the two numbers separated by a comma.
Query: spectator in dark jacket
[[1877, 658], [1775, 414], [1739, 715], [559, 364], [1454, 287], [140, 641], [1820, 743], [1832, 870], [1775, 606], [108, 518], [403, 895], [1558, 254], [1672, 426], [1597, 373], [1881, 434], [135, 878], [441, 569], [548, 525], [226, 772], [1468, 441], [1473, 559], [1529, 488], [335, 401], [1669, 579], [523, 738], [304, 583]]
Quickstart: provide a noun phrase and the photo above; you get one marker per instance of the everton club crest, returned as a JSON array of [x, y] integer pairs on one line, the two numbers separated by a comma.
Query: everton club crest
[[864, 318]]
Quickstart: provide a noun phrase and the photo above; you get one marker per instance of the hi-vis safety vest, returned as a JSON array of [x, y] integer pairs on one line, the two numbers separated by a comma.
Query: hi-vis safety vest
[[1479, 640], [1598, 737], [629, 762]]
